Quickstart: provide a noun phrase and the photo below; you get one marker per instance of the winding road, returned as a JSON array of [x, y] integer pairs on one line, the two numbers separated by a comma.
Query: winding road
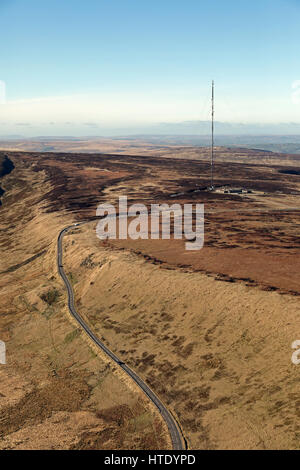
[[178, 441]]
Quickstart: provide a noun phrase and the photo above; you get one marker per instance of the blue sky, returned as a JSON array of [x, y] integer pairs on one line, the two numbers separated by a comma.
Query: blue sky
[[102, 64]]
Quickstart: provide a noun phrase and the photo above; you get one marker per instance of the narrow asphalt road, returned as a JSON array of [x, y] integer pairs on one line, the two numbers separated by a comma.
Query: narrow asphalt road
[[178, 440]]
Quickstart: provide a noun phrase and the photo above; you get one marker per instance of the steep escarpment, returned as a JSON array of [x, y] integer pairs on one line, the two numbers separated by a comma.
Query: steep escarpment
[[56, 392], [6, 167], [218, 354]]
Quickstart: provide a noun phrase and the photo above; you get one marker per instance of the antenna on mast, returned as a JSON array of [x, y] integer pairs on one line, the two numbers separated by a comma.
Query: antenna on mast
[[212, 135]]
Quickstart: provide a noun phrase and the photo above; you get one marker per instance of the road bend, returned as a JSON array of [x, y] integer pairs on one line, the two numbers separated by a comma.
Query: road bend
[[178, 440]]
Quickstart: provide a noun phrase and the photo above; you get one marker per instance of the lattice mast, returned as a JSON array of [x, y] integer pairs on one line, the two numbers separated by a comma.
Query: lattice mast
[[212, 134]]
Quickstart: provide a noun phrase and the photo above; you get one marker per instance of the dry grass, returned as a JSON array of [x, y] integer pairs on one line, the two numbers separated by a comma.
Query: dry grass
[[54, 385], [210, 332], [217, 353]]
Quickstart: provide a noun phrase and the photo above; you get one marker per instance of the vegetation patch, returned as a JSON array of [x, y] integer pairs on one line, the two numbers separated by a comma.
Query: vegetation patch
[[51, 296], [88, 262], [72, 278], [71, 336]]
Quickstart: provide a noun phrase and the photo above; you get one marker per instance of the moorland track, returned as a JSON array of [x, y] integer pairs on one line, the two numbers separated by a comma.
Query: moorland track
[[178, 440]]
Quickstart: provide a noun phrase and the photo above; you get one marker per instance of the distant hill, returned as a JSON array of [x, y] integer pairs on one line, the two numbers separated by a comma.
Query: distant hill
[[272, 143], [289, 144], [280, 148], [225, 128]]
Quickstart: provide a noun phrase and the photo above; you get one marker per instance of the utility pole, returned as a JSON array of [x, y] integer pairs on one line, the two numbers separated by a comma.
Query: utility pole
[[212, 135]]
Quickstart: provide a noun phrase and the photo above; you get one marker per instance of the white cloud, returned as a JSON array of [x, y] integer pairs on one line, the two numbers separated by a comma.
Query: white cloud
[[296, 92], [2, 92], [117, 110], [107, 108]]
